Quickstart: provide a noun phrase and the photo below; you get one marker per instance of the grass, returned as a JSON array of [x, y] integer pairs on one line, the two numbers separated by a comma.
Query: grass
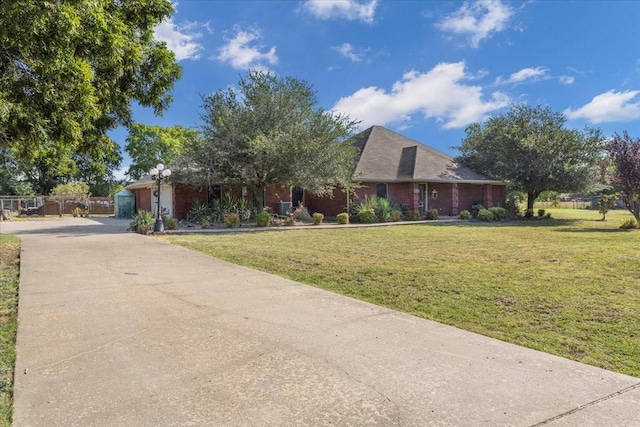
[[9, 278], [567, 286]]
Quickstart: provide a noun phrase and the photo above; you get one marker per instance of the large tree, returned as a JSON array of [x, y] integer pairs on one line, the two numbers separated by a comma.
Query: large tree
[[531, 148], [148, 145], [271, 132], [69, 71], [625, 155]]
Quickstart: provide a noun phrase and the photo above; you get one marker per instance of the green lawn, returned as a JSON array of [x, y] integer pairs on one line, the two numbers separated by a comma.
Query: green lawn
[[9, 276], [567, 286]]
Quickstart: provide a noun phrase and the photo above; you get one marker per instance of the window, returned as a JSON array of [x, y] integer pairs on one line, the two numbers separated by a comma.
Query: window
[[381, 190]]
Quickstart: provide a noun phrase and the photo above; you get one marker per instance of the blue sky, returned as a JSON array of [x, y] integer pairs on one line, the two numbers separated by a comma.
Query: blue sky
[[425, 69]]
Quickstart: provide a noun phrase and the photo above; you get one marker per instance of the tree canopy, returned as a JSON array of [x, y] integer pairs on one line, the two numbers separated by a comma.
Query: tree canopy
[[531, 148], [148, 145], [271, 132], [625, 155], [70, 70]]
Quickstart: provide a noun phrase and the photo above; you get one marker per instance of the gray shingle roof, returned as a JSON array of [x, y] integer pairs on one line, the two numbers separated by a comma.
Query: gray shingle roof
[[386, 156]]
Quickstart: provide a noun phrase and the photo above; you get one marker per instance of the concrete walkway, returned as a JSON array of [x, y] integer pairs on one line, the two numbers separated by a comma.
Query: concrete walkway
[[119, 329]]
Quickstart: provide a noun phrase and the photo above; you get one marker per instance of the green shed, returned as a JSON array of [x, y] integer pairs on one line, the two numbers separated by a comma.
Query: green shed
[[124, 204]]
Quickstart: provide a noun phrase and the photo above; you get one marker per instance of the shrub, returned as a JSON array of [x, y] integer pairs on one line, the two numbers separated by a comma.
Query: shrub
[[231, 220], [381, 206], [367, 216], [317, 218], [198, 211], [541, 212], [499, 213], [606, 202], [301, 214], [431, 214], [475, 209], [343, 218], [629, 223], [142, 222], [548, 215], [465, 214], [412, 215], [76, 212], [263, 219], [512, 203], [485, 215], [528, 213], [289, 221], [171, 223], [206, 222], [394, 215]]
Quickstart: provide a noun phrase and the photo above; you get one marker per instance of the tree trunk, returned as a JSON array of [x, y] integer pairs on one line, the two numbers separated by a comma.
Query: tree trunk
[[531, 198], [258, 197], [633, 206]]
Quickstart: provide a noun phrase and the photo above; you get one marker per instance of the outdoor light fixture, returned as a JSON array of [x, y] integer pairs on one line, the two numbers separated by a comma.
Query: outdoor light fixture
[[158, 174], [434, 194]]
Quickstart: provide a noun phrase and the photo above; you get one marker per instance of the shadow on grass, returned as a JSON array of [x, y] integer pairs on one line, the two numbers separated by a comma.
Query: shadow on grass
[[594, 230], [513, 223]]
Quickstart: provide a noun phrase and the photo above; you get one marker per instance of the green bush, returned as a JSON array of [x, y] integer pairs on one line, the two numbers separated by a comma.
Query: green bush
[[465, 214], [288, 221], [412, 215], [171, 223], [475, 208], [629, 223], [541, 212], [499, 213], [381, 206], [394, 215], [317, 218], [232, 220], [343, 218], [548, 215], [206, 222], [528, 213], [367, 216], [431, 214], [512, 203], [485, 215], [142, 222], [263, 219], [198, 212]]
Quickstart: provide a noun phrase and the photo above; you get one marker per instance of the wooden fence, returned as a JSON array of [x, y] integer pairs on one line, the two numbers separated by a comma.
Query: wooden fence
[[56, 206]]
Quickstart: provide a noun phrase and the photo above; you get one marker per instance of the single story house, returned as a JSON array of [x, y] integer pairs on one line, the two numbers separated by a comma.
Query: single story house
[[411, 174]]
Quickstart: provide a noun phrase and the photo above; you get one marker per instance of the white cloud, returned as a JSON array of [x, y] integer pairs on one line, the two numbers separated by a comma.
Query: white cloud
[[440, 94], [566, 80], [242, 55], [524, 75], [610, 106], [350, 10], [180, 39], [477, 21], [528, 74], [346, 50]]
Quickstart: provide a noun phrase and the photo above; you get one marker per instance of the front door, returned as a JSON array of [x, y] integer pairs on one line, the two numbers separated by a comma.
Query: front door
[[423, 199], [297, 196], [166, 200]]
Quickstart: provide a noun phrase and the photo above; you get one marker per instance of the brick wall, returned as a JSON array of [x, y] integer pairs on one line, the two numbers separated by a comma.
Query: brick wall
[[184, 197]]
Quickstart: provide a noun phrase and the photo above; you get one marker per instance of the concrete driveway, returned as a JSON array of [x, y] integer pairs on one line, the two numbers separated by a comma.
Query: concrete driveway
[[119, 329]]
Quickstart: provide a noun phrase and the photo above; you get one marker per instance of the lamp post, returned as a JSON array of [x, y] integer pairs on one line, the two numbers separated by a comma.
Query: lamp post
[[158, 174]]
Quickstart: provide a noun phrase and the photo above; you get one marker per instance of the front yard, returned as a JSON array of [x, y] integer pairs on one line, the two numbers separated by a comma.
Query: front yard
[[567, 286]]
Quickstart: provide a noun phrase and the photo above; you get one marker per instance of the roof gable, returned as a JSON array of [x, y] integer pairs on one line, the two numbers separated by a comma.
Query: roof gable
[[388, 156]]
